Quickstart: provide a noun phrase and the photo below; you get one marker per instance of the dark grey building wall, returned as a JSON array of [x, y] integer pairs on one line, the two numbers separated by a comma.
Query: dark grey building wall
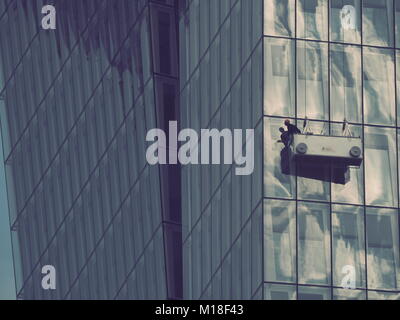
[[76, 105], [221, 87]]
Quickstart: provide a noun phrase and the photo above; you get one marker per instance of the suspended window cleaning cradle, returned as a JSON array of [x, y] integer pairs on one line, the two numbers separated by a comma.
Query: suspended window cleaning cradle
[[344, 150]]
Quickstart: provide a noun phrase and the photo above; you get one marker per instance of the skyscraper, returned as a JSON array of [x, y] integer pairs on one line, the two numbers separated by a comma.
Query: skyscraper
[[76, 103], [253, 64]]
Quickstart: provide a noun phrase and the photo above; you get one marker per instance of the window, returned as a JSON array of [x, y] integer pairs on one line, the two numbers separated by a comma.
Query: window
[[312, 80], [383, 249], [280, 241], [165, 57], [345, 18], [279, 292], [375, 295], [279, 17], [314, 293], [312, 19], [378, 22], [380, 167], [347, 294], [348, 243], [279, 72], [314, 243], [379, 88], [345, 62]]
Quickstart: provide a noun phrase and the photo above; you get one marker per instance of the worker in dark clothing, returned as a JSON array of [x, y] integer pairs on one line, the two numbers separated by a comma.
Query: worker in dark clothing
[[292, 129], [285, 137]]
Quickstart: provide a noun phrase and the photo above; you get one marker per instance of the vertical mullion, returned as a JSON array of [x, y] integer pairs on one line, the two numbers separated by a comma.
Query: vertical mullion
[[263, 155], [329, 132], [295, 115], [363, 145], [396, 109]]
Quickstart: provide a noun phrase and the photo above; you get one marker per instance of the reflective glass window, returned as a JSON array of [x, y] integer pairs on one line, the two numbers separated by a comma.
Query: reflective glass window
[[346, 89], [345, 19], [279, 77], [279, 292], [314, 258], [312, 80], [348, 294], [348, 246], [380, 166], [379, 87], [378, 22], [312, 19], [314, 293], [280, 241], [375, 295], [383, 249], [279, 17]]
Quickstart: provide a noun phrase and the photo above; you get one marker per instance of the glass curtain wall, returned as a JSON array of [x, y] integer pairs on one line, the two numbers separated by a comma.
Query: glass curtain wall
[[330, 61]]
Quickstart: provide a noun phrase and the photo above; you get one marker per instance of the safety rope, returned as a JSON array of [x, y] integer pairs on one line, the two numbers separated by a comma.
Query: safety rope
[[306, 127], [346, 128], [305, 80], [346, 132], [344, 92], [324, 129]]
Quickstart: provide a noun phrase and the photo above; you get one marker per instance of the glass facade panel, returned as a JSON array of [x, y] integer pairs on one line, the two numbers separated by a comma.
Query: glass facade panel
[[313, 243], [378, 22], [379, 86], [376, 295], [347, 294], [280, 241], [380, 166], [312, 19], [279, 17], [345, 83], [383, 249], [345, 19], [279, 292], [312, 80], [348, 243], [313, 293], [279, 74]]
